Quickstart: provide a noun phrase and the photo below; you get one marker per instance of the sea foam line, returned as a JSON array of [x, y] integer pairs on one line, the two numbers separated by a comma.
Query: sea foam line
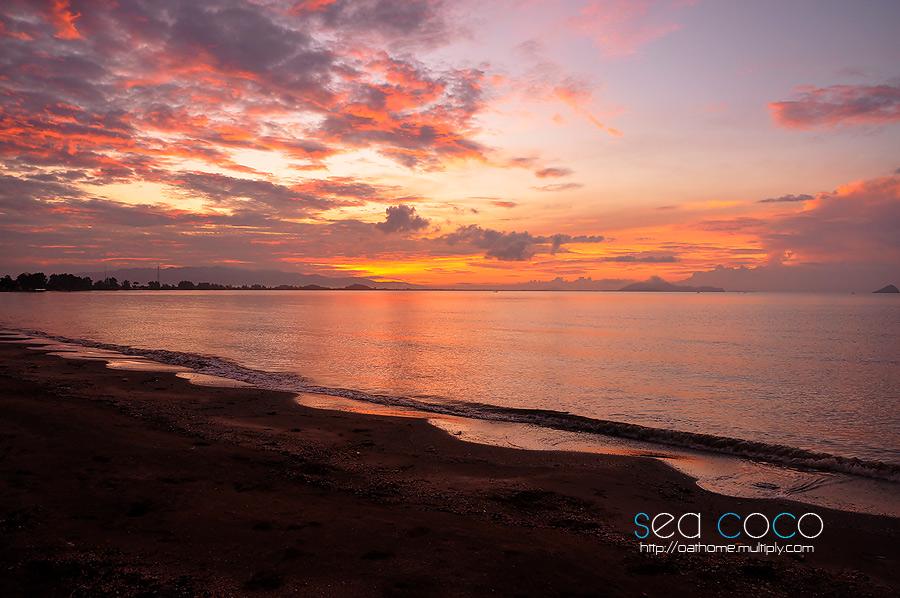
[[778, 454]]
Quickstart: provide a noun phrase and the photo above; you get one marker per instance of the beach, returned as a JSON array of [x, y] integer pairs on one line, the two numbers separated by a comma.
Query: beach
[[139, 483]]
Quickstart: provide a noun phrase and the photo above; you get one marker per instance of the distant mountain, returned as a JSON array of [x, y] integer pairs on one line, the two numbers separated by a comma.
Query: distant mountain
[[795, 278], [888, 289], [557, 284], [238, 277], [658, 285]]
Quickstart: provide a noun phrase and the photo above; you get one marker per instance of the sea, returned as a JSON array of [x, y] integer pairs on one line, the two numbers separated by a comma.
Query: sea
[[754, 394]]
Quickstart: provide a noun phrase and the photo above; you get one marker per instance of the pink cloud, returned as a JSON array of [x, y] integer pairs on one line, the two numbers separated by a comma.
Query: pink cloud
[[623, 27], [839, 105], [553, 172], [856, 223], [504, 204], [844, 240]]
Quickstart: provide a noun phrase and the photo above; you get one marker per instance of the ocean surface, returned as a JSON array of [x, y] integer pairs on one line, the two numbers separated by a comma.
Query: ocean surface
[[797, 379]]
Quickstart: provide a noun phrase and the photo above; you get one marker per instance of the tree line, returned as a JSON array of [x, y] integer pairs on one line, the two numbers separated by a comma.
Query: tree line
[[38, 281]]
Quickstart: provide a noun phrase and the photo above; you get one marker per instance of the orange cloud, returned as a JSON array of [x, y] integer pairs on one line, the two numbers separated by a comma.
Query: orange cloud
[[63, 19]]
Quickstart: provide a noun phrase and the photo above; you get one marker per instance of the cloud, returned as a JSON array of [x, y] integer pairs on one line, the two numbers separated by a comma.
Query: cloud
[[84, 231], [553, 172], [416, 22], [500, 245], [150, 85], [60, 14], [186, 131], [559, 187], [545, 82], [46, 186], [787, 199], [839, 105], [621, 28], [734, 225], [401, 219], [643, 259], [231, 192], [511, 246], [559, 239], [856, 223]]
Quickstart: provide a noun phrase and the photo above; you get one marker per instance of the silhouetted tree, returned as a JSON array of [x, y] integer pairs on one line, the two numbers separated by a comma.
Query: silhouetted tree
[[32, 282], [8, 284], [186, 285], [68, 282]]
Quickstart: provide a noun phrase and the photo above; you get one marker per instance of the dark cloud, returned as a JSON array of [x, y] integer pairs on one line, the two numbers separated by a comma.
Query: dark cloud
[[839, 105], [305, 196], [553, 172], [557, 240], [236, 36], [413, 21], [511, 246], [503, 204], [44, 186], [401, 219], [233, 192], [348, 187], [787, 199], [559, 187], [500, 245]]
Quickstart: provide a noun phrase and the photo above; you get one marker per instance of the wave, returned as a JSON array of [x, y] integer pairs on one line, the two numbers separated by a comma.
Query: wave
[[778, 454]]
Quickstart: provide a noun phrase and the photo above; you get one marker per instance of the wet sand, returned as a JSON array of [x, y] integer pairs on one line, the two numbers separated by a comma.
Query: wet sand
[[138, 483]]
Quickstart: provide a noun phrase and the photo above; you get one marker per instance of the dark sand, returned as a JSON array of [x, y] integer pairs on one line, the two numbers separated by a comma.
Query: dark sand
[[119, 483]]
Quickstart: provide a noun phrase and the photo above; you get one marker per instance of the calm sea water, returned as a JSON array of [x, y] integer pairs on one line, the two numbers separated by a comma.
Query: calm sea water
[[818, 372]]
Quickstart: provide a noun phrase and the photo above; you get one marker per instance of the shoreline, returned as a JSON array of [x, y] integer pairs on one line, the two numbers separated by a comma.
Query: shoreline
[[875, 474], [123, 479], [721, 473]]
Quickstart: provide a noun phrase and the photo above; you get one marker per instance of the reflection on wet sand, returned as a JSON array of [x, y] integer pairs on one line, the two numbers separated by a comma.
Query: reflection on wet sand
[[724, 474]]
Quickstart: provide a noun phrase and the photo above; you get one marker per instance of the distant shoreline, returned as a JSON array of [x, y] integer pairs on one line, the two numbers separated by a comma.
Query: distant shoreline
[[39, 282]]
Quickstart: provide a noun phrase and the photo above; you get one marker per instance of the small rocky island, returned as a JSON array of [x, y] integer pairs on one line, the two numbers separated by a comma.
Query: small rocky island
[[888, 289]]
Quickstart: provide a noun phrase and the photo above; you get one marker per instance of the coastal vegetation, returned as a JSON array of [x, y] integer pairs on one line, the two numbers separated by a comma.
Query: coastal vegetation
[[38, 281]]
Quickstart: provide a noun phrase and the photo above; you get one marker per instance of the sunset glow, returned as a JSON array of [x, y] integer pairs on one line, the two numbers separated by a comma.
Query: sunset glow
[[743, 145]]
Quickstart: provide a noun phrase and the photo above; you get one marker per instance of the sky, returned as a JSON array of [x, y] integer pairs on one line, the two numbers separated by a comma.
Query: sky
[[751, 145]]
